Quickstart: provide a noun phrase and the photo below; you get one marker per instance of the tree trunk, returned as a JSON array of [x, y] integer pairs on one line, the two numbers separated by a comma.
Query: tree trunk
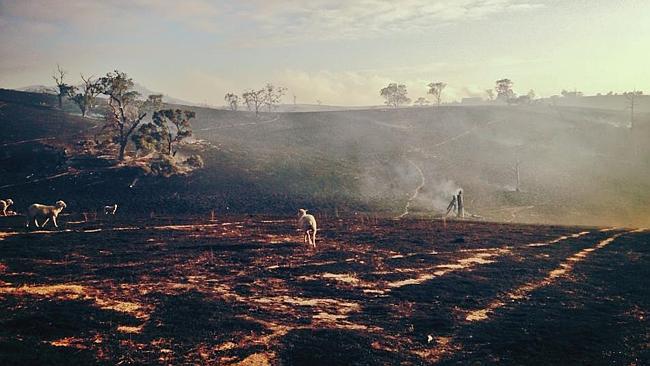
[[632, 114], [123, 142], [122, 149], [517, 172], [60, 101], [461, 205]]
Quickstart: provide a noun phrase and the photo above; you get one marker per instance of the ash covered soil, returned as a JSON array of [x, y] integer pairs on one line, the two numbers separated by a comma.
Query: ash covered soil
[[245, 290]]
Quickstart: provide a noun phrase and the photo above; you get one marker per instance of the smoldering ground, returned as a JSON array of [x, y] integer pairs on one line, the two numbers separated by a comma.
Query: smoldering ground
[[570, 162]]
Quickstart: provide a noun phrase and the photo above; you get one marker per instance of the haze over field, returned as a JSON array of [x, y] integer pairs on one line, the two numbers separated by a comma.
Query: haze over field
[[338, 52]]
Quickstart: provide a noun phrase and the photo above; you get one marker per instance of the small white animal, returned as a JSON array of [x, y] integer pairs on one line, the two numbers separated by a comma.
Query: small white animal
[[110, 210], [4, 205], [307, 224], [49, 212]]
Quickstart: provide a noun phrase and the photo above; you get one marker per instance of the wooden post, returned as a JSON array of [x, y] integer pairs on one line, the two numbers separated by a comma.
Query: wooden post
[[461, 204], [515, 169]]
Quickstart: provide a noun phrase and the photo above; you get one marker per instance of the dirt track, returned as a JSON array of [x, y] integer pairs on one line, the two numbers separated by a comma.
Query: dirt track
[[245, 290]]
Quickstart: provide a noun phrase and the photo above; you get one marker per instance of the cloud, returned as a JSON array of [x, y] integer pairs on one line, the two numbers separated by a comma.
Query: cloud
[[84, 34], [343, 19], [101, 16], [279, 21]]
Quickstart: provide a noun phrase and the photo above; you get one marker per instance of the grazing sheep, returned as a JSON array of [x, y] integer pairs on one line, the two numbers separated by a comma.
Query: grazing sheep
[[110, 210], [307, 224], [4, 205], [49, 212]]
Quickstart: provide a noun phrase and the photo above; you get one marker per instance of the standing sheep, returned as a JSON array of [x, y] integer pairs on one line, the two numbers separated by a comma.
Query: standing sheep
[[110, 210], [4, 205], [307, 224], [49, 212]]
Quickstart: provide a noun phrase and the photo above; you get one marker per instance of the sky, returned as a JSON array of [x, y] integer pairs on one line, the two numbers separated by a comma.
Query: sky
[[340, 52]]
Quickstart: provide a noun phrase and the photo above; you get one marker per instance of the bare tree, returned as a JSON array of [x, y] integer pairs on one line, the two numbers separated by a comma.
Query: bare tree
[[436, 89], [86, 100], [273, 95], [64, 89], [232, 100], [126, 110], [395, 95], [254, 99], [490, 94], [515, 170], [531, 95], [631, 101]]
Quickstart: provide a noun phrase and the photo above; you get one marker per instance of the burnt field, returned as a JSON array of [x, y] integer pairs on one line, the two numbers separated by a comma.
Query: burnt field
[[245, 290]]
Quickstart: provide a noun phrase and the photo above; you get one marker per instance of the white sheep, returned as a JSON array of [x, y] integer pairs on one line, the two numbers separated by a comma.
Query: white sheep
[[49, 212], [307, 224], [4, 205], [110, 210]]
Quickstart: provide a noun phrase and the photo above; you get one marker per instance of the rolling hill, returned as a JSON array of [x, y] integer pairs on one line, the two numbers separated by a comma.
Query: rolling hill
[[577, 165]]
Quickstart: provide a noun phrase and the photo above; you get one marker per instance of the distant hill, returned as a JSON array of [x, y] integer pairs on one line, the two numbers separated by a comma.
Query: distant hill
[[144, 92], [610, 102], [286, 108], [38, 89]]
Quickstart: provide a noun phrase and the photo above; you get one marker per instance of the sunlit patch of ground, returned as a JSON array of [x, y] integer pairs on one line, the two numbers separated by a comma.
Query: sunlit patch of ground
[[7, 234], [61, 291], [249, 292], [481, 257], [521, 292], [69, 342], [561, 238]]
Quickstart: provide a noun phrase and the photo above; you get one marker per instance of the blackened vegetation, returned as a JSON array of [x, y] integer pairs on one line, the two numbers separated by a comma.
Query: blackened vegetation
[[186, 290]]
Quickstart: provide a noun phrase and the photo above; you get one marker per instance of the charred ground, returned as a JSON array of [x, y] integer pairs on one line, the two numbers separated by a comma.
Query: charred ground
[[377, 291]]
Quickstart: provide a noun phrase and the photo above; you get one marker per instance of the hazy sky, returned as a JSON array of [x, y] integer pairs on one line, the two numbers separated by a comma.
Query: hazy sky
[[338, 51]]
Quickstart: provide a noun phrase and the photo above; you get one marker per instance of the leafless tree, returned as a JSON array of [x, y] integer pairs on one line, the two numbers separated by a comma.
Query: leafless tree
[[86, 99], [232, 100], [273, 95], [64, 89], [254, 100], [631, 101], [490, 94], [515, 170], [531, 95]]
